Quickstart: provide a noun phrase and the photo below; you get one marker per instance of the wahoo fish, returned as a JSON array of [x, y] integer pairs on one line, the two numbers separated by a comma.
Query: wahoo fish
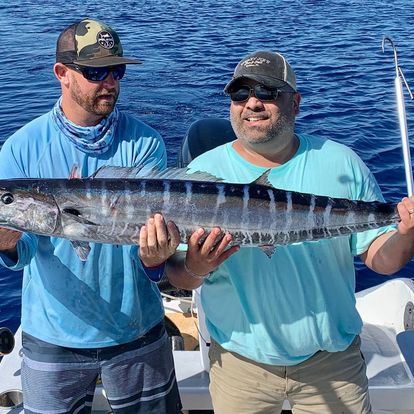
[[113, 204]]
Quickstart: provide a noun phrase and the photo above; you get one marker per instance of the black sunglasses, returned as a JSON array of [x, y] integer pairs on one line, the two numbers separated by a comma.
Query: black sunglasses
[[99, 74], [261, 92]]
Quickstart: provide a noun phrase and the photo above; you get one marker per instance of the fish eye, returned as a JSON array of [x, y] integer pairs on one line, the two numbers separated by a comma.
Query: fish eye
[[7, 198]]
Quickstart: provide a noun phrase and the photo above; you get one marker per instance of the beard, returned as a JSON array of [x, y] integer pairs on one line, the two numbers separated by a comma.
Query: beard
[[284, 126], [90, 101]]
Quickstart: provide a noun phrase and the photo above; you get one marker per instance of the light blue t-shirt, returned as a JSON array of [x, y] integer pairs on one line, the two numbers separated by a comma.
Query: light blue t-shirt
[[283, 310], [108, 299]]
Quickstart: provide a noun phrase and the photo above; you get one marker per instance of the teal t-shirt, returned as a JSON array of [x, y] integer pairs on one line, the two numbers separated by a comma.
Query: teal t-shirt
[[107, 299], [284, 309]]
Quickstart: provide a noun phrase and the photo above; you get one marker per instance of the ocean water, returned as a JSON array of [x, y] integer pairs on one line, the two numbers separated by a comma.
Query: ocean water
[[190, 49]]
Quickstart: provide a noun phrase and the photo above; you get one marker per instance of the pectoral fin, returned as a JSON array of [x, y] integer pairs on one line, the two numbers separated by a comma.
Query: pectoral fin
[[81, 248]]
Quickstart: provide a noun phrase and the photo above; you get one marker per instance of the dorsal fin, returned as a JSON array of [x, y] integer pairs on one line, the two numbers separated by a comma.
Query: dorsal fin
[[183, 174], [111, 171], [263, 180], [139, 172]]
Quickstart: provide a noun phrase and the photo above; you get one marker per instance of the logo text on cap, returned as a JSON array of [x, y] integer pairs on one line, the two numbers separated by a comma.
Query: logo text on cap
[[254, 61]]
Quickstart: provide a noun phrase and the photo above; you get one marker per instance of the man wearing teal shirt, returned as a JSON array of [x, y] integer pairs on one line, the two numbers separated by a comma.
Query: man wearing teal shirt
[[103, 316], [286, 327]]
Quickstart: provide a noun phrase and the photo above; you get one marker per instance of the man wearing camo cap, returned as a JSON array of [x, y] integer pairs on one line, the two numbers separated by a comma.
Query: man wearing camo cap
[[103, 316]]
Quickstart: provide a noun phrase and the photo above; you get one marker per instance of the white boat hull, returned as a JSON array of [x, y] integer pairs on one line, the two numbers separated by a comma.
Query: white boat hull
[[387, 344]]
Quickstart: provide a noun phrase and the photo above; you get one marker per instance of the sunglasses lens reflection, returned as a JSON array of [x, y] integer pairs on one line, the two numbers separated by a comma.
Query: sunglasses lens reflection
[[99, 74], [242, 94]]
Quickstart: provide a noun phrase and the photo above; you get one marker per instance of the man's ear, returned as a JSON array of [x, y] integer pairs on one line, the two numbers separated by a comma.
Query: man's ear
[[61, 72], [296, 102]]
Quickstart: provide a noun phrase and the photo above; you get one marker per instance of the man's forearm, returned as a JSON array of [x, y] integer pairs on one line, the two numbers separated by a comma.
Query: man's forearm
[[177, 274], [389, 252]]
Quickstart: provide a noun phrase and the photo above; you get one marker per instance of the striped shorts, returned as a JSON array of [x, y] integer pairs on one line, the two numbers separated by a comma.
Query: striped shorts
[[138, 377]]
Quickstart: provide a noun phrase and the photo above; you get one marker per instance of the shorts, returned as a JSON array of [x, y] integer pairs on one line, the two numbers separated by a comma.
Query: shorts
[[326, 383], [138, 377]]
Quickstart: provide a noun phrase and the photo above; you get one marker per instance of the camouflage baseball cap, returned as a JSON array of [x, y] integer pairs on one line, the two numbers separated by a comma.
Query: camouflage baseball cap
[[90, 43]]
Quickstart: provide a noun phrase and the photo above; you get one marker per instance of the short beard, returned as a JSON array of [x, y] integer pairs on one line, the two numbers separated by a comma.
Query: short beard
[[283, 127], [88, 102]]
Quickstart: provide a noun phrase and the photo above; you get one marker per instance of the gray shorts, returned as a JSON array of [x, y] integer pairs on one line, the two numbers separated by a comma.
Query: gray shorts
[[326, 383], [138, 377]]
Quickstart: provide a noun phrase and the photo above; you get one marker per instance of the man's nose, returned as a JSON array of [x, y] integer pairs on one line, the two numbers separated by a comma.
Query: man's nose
[[254, 102], [110, 80]]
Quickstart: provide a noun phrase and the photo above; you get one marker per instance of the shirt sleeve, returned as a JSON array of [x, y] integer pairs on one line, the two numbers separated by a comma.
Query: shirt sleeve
[[369, 191], [27, 245], [26, 249], [153, 154]]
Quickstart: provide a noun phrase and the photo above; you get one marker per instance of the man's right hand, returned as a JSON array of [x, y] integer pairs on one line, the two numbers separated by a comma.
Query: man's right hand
[[8, 241]]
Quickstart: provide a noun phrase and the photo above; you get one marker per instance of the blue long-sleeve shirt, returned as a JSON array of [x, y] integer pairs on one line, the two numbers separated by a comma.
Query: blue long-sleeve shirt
[[108, 299]]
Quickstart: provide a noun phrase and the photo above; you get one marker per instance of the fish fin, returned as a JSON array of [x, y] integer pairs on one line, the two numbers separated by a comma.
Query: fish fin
[[82, 249], [141, 171], [174, 173], [268, 250], [74, 172], [263, 180], [112, 171], [204, 176], [171, 173]]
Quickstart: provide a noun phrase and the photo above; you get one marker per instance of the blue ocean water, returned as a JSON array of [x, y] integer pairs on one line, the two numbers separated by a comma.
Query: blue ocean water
[[190, 49]]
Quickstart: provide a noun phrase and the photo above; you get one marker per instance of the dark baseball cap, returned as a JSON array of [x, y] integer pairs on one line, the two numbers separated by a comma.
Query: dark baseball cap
[[91, 43], [269, 68]]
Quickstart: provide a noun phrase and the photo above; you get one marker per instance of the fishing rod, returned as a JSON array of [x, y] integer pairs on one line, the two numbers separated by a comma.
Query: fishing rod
[[402, 116]]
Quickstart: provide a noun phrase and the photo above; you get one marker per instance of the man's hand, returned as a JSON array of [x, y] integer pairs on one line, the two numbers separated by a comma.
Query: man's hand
[[8, 239], [8, 242], [157, 241], [205, 252], [406, 211], [205, 256]]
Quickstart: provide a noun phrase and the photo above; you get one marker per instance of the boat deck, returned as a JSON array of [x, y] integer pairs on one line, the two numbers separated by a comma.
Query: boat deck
[[387, 344]]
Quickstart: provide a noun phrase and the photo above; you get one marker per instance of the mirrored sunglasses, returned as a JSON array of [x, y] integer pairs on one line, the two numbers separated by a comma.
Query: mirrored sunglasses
[[99, 74], [261, 92]]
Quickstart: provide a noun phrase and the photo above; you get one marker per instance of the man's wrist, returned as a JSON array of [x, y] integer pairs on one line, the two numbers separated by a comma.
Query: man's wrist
[[195, 275], [154, 273]]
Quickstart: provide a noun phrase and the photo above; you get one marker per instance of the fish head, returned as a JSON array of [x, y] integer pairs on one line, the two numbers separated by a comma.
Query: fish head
[[26, 206]]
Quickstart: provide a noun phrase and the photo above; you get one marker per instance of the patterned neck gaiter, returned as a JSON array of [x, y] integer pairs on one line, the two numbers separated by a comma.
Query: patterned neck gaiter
[[96, 139]]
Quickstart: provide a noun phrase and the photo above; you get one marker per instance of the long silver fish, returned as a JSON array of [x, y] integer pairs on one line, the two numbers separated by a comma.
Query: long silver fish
[[112, 210]]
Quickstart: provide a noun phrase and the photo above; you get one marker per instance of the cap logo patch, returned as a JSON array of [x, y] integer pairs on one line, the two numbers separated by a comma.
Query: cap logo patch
[[105, 39], [254, 61]]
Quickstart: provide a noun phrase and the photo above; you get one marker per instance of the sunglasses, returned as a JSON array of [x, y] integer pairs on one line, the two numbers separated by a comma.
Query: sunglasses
[[99, 74], [261, 92]]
